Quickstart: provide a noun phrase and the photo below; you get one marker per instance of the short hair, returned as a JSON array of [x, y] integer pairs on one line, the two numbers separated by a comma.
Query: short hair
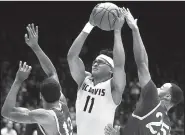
[[107, 52], [50, 90], [176, 94]]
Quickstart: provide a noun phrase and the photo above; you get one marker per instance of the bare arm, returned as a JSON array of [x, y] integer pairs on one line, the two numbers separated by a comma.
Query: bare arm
[[76, 65], [149, 95], [45, 62], [140, 54], [119, 77], [20, 114], [119, 63], [24, 115], [9, 110], [141, 58]]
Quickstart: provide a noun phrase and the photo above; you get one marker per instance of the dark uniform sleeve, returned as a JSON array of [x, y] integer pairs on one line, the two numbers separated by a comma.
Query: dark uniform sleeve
[[148, 99]]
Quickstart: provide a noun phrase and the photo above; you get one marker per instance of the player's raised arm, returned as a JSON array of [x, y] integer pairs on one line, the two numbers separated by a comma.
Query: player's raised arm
[[9, 110], [119, 76], [20, 114], [45, 62], [76, 65], [140, 54]]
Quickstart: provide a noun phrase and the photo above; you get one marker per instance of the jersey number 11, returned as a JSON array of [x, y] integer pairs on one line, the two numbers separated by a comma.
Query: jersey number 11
[[86, 104]]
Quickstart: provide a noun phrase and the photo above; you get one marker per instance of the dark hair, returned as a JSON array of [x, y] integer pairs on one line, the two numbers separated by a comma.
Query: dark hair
[[107, 52], [50, 90], [176, 94]]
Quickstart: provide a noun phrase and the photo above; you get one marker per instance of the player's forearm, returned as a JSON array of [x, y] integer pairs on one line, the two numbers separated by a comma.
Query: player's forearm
[[139, 49], [118, 50], [10, 100], [45, 62], [77, 45]]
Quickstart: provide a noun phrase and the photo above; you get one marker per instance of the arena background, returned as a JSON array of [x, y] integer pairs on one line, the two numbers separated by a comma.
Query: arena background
[[162, 27]]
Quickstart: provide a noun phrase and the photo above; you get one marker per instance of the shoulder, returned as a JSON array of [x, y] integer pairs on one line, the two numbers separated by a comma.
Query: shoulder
[[151, 88], [141, 115], [88, 77], [149, 84], [87, 73]]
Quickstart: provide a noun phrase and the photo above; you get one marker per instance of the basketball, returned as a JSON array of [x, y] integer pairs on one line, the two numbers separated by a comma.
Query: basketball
[[104, 15]]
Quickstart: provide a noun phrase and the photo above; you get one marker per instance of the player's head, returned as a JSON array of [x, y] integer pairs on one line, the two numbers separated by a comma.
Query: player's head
[[171, 93], [103, 65], [50, 90]]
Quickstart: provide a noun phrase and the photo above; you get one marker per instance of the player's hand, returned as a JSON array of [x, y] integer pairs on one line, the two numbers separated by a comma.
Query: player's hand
[[120, 20], [91, 19], [109, 130], [32, 39], [23, 72], [132, 23]]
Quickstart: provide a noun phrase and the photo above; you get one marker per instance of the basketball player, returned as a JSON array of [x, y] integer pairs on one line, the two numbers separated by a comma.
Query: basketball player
[[99, 92], [54, 118], [150, 116]]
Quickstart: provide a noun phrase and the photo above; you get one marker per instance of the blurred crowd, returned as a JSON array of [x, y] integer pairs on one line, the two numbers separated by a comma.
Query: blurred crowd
[[28, 95]]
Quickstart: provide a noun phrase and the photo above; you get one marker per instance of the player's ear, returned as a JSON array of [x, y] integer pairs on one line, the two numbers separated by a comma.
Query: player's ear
[[168, 97], [111, 71]]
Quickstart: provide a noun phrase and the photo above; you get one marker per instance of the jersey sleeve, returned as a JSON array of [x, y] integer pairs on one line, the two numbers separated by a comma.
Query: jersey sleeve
[[148, 99]]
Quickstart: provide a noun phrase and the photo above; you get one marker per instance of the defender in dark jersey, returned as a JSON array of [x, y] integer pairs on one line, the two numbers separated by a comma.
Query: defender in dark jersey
[[150, 116], [54, 117]]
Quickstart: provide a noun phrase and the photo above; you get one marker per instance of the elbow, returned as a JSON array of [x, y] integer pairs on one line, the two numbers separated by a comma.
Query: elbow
[[71, 56], [139, 61]]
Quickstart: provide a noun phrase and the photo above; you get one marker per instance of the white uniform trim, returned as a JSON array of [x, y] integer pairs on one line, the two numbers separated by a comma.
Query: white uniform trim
[[56, 119], [41, 130], [143, 117]]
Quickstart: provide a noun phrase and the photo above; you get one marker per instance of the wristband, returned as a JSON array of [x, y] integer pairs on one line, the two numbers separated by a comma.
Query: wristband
[[88, 27]]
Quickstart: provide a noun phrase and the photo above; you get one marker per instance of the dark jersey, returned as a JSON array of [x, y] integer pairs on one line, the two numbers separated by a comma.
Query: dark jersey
[[63, 121], [149, 117]]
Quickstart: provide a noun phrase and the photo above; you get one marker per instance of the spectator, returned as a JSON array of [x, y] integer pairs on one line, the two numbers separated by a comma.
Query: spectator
[[8, 130]]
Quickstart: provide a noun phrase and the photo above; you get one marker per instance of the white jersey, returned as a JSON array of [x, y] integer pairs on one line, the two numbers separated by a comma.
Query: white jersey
[[95, 107]]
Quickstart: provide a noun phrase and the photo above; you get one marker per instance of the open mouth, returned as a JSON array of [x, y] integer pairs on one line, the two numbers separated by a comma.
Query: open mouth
[[95, 69]]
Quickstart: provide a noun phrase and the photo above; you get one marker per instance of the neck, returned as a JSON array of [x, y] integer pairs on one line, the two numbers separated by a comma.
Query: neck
[[9, 129], [51, 105], [165, 105], [98, 79]]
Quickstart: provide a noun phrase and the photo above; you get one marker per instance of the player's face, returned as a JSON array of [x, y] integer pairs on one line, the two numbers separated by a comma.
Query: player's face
[[164, 90], [9, 124], [101, 67]]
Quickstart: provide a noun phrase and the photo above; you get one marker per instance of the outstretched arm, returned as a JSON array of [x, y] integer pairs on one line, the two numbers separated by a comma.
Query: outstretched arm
[[45, 62], [119, 77], [21, 114], [76, 65], [149, 95], [140, 54], [9, 110]]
